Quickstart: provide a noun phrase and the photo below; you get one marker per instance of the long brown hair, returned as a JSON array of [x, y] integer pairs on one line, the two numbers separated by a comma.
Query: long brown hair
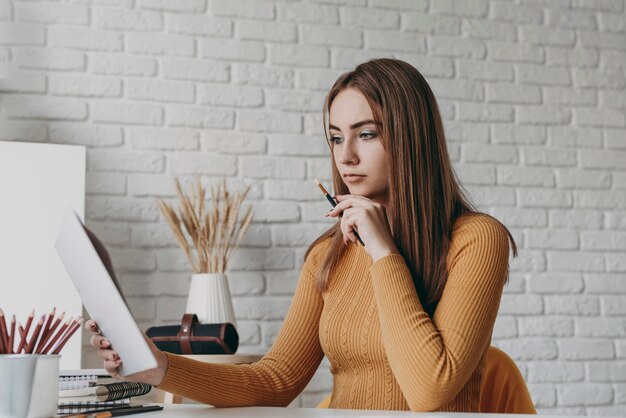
[[425, 196]]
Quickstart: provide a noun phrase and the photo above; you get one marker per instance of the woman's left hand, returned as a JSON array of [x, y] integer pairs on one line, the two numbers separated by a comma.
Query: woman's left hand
[[369, 219]]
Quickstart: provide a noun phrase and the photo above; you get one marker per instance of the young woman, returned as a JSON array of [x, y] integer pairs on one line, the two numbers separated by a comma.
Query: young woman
[[405, 320]]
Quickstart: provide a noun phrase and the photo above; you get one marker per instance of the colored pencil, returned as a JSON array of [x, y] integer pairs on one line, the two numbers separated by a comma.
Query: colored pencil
[[332, 202]]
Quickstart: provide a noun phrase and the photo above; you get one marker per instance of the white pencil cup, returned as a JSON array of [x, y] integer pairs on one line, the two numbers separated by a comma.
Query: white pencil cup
[[30, 386]]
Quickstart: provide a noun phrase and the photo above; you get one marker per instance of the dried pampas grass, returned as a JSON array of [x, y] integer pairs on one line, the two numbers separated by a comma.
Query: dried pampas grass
[[214, 235]]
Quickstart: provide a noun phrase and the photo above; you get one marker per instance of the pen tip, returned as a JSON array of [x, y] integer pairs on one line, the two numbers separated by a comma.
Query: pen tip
[[318, 182]]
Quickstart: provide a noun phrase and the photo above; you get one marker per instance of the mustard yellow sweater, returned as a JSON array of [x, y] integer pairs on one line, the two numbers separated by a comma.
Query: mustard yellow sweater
[[384, 350]]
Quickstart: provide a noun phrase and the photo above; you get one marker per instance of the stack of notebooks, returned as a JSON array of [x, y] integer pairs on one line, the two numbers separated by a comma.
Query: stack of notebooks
[[86, 391]]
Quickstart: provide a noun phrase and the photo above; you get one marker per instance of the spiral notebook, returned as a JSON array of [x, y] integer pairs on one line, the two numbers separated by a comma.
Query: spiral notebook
[[104, 392]]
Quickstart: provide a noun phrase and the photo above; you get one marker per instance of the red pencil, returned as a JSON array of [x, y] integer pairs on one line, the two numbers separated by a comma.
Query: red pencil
[[11, 336], [44, 330], [3, 331], [24, 334], [68, 335], [56, 337], [33, 340], [46, 338]]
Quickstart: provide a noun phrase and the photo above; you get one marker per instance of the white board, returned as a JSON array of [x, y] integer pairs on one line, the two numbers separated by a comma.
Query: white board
[[37, 184]]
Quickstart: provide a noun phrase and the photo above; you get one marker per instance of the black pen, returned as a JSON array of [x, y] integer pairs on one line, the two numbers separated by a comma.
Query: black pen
[[332, 202], [127, 411]]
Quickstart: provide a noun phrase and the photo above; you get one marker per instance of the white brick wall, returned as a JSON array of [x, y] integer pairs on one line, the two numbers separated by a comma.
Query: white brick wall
[[533, 95]]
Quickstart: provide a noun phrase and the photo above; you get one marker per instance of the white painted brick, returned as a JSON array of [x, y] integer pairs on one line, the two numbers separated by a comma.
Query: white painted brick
[[171, 308], [541, 35], [125, 161], [576, 261], [42, 107], [542, 115], [604, 283], [109, 3], [264, 168], [521, 217], [233, 50], [233, 142], [307, 13], [395, 41], [512, 52], [609, 22], [475, 174], [512, 93], [572, 19], [84, 85], [510, 12], [271, 31], [267, 211], [546, 326], [573, 57], [49, 59], [587, 394], [187, 24], [604, 5], [331, 36], [602, 40], [52, 12], [177, 6], [246, 283], [608, 78], [369, 19], [529, 348], [119, 64], [505, 327], [6, 10], [230, 95], [479, 153], [619, 180], [194, 70], [142, 185], [196, 163], [481, 70], [529, 260], [549, 156], [127, 20], [296, 235], [588, 179], [110, 233], [287, 100], [291, 190], [265, 121], [298, 55], [599, 199], [521, 305], [27, 131], [23, 82], [453, 46], [569, 96], [616, 262], [249, 334], [466, 132], [22, 34], [576, 218], [585, 349], [200, 117], [525, 176], [562, 239], [159, 44], [599, 117], [617, 220], [555, 283], [172, 260], [491, 196], [169, 139], [316, 79], [262, 259], [555, 372], [487, 29], [614, 138], [152, 235], [504, 133], [315, 211], [127, 113], [566, 136], [604, 159], [606, 371], [142, 308], [297, 145], [85, 134], [429, 66], [282, 282], [472, 9], [160, 91], [572, 305], [118, 208], [481, 112], [260, 75], [313, 124], [538, 74], [613, 410], [132, 260], [86, 39], [346, 58], [105, 183], [244, 9], [613, 306], [424, 23]]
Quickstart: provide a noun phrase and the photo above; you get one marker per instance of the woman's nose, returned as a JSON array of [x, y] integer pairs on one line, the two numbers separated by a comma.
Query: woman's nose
[[349, 154]]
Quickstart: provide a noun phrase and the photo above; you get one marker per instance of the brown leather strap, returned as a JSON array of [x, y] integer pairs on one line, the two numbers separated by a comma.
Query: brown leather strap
[[186, 328]]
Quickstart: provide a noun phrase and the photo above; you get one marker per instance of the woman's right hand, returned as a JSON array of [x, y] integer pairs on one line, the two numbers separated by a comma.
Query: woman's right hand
[[112, 360]]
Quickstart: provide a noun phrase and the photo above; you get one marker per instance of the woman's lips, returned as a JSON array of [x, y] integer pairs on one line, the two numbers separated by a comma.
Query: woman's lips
[[353, 178]]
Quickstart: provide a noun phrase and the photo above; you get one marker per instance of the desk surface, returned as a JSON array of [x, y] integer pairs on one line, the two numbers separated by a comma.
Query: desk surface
[[186, 410]]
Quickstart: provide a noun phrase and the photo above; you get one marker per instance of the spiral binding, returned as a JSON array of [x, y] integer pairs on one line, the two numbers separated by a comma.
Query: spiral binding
[[123, 390]]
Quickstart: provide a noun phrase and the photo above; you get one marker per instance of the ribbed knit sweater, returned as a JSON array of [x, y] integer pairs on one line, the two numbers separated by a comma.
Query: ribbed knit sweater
[[385, 351]]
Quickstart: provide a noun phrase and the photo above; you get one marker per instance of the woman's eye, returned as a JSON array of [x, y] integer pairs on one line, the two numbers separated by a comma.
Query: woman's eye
[[368, 135], [336, 139]]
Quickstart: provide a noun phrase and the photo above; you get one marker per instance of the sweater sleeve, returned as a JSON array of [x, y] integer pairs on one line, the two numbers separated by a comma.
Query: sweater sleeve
[[433, 358], [277, 378]]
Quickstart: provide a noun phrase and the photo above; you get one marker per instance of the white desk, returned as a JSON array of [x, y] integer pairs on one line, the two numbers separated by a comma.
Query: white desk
[[186, 410]]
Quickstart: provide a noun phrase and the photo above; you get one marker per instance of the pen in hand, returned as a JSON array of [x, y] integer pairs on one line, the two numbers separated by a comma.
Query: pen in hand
[[332, 202]]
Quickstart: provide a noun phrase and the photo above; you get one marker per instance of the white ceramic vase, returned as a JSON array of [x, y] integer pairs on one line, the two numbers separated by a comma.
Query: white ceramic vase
[[210, 299]]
